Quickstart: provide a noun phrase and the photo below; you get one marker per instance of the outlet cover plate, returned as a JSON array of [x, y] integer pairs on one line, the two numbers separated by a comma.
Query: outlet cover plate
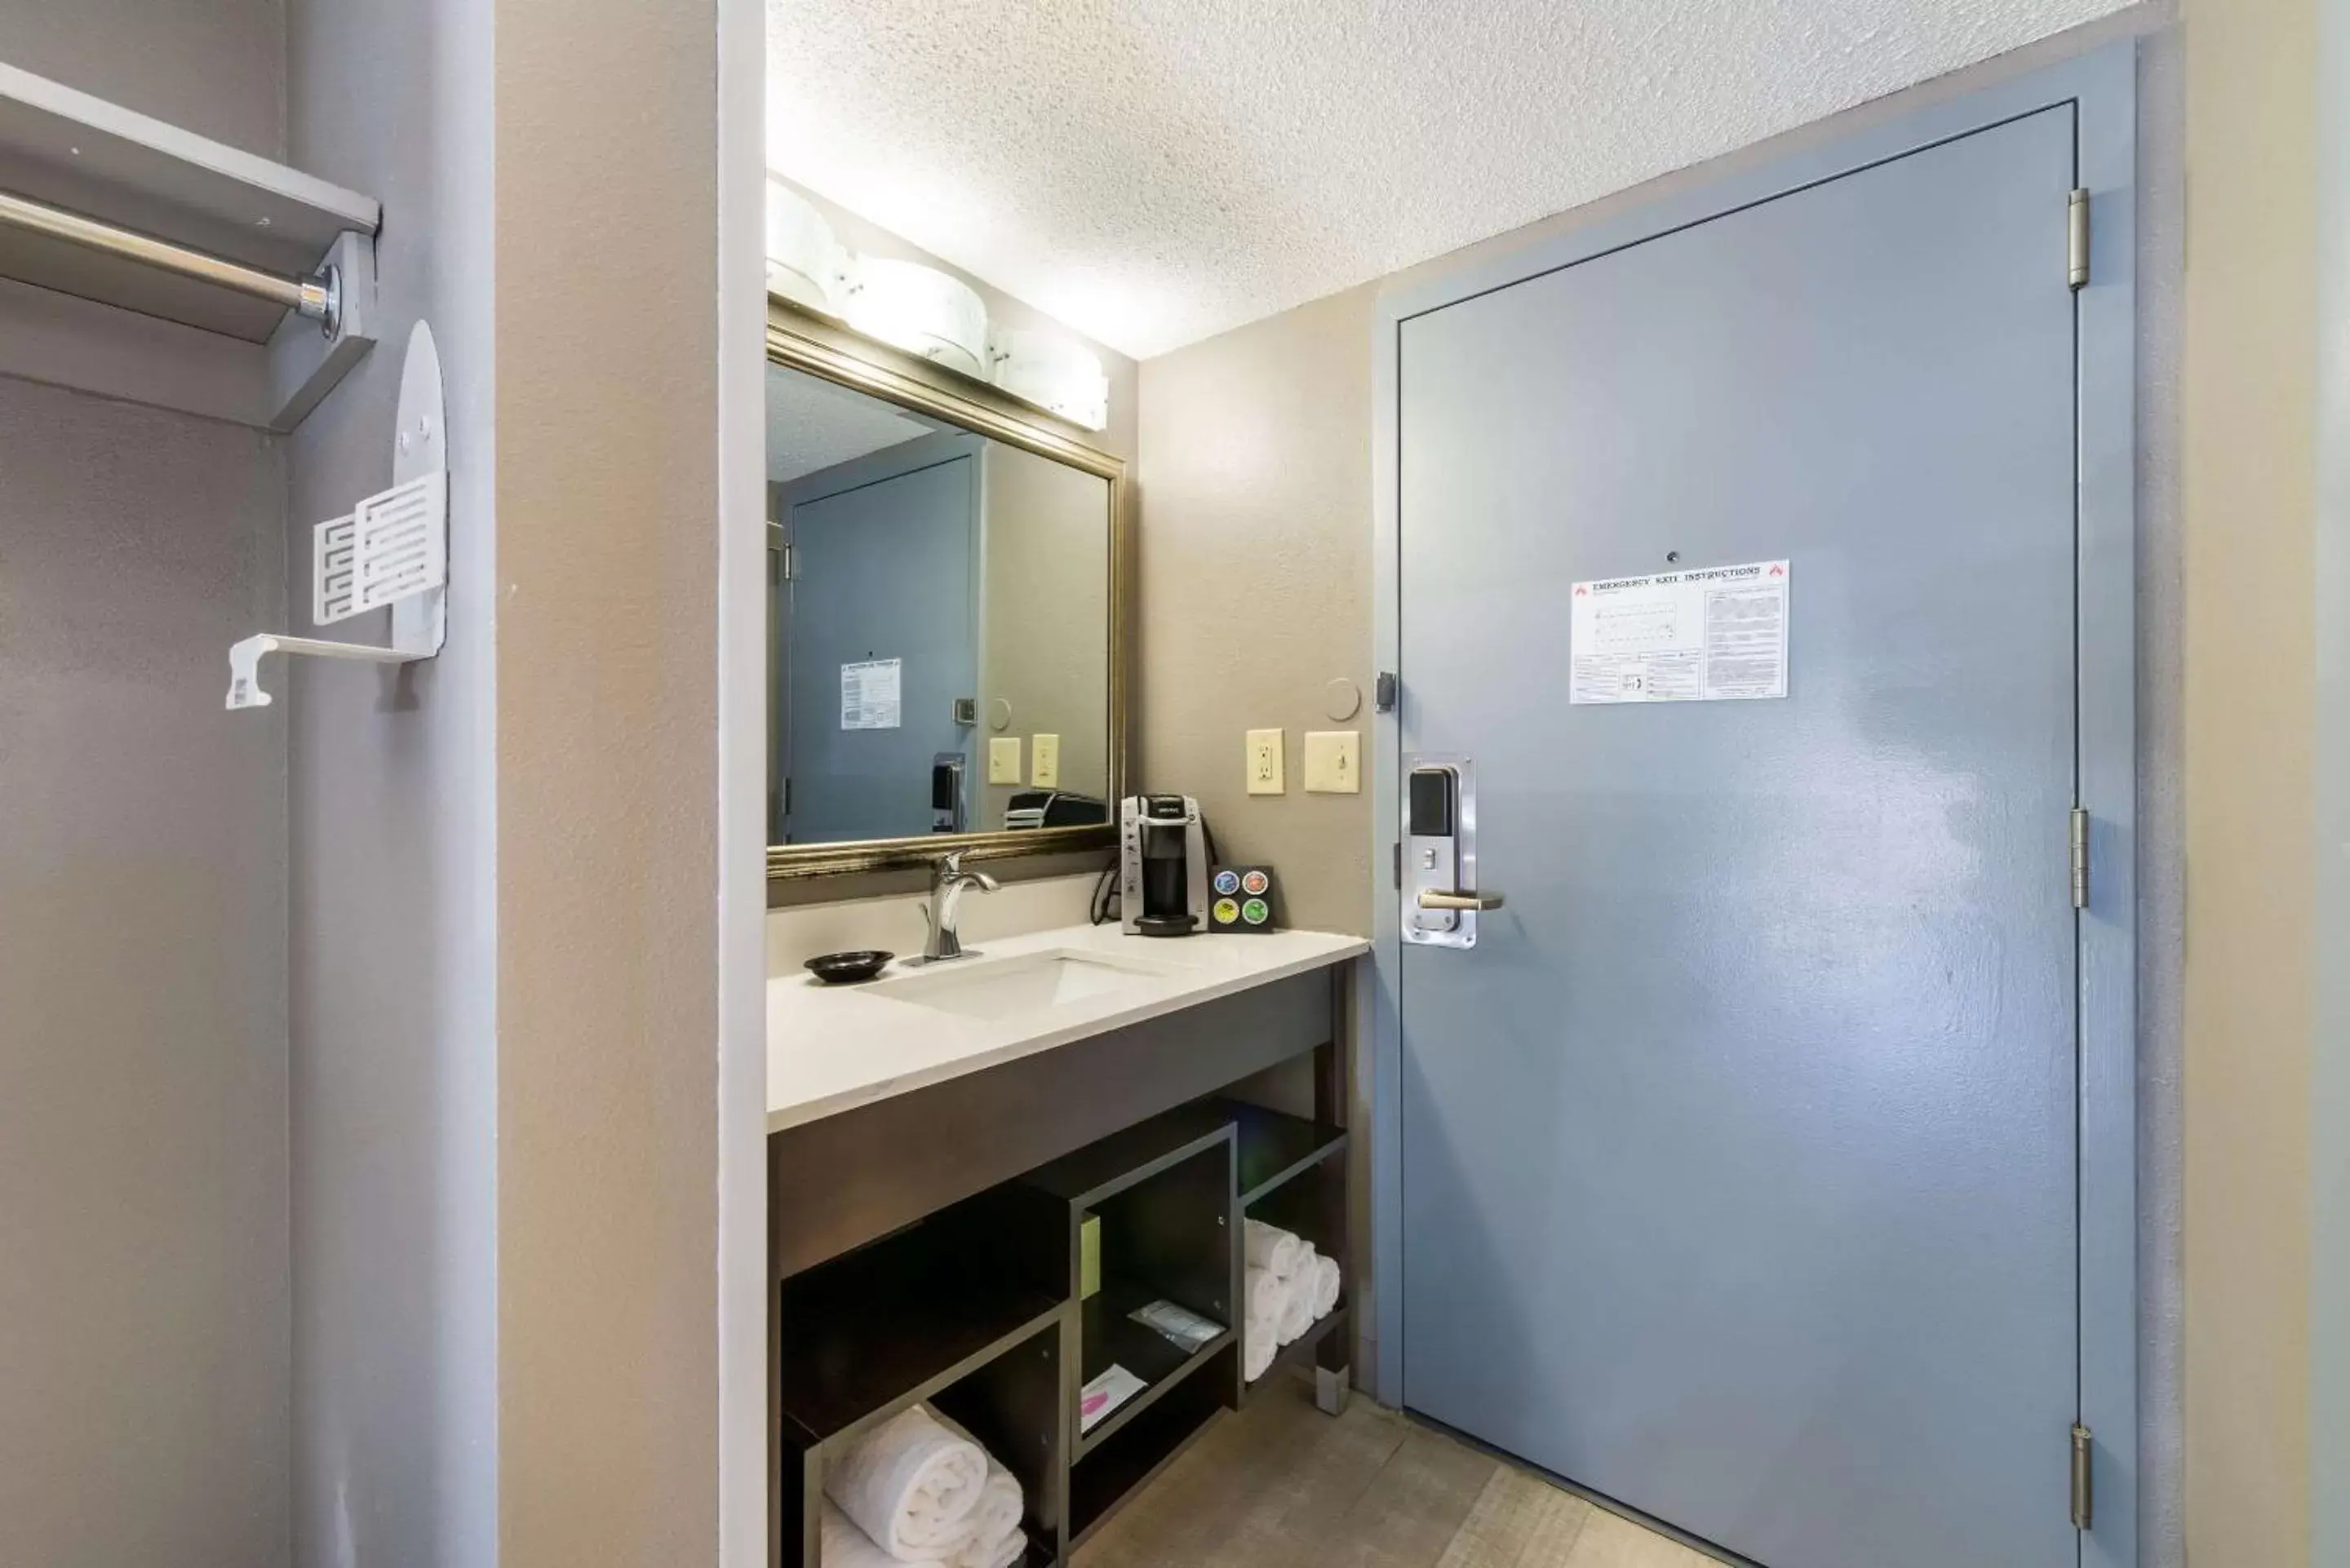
[[1003, 759], [1264, 763]]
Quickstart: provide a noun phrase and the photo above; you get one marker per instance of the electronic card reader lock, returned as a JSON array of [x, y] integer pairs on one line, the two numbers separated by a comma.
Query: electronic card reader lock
[[1441, 899]]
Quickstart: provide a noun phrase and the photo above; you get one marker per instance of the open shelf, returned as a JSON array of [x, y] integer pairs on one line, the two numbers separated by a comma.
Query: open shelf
[[1100, 1170], [1114, 1472], [66, 149], [1012, 1406], [1275, 1147], [1109, 1335], [868, 1334], [1299, 1352], [1312, 1205]]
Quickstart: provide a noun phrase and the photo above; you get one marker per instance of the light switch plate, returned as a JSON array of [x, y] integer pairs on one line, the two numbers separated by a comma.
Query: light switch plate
[[1003, 759], [1264, 763], [1334, 762], [1045, 761]]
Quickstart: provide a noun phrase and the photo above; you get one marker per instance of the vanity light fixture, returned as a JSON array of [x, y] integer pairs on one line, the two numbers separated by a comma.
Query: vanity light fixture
[[925, 312], [1055, 374], [804, 264], [919, 309]]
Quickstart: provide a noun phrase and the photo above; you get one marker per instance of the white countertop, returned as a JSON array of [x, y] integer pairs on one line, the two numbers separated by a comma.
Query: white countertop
[[832, 1047]]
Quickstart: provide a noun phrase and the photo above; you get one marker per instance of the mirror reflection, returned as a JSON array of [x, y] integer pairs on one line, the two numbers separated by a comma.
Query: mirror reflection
[[940, 628]]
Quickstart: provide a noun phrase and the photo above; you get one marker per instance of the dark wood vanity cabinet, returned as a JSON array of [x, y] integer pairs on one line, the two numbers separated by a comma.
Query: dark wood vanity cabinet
[[932, 1247]]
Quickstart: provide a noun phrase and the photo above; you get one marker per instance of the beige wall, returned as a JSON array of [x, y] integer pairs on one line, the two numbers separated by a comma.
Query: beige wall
[[1255, 586], [608, 431], [2329, 1455], [1044, 620], [2249, 469]]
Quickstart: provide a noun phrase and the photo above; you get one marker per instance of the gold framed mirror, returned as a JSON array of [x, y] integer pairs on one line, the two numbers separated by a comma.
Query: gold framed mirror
[[948, 614]]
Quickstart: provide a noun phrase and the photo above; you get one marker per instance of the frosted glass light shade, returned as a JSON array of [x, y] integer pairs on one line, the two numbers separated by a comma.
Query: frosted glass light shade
[[1055, 374], [804, 264], [919, 309]]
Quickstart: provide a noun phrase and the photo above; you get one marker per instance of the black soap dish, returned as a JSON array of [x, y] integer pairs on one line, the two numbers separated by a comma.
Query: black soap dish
[[847, 969]]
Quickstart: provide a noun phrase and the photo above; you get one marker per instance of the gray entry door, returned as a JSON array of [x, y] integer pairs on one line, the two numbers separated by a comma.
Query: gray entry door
[[883, 571], [1738, 1155]]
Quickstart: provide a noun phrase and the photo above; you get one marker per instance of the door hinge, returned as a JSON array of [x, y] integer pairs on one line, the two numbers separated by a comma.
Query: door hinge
[[2076, 249], [2080, 843], [1383, 691], [791, 561], [2083, 1499], [1397, 847]]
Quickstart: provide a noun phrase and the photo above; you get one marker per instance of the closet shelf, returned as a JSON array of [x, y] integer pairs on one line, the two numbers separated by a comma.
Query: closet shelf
[[65, 148], [107, 205]]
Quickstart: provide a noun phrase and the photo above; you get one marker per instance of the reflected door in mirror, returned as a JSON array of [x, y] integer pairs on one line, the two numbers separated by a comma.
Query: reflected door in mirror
[[943, 626]]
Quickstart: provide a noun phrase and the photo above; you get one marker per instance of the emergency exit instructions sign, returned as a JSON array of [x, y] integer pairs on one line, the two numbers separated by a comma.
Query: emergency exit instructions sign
[[1716, 634]]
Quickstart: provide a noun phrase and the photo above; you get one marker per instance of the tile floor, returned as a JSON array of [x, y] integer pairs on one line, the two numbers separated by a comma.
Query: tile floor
[[1281, 1485]]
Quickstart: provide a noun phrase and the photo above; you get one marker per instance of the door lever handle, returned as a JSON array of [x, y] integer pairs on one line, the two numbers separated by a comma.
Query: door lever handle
[[1429, 898]]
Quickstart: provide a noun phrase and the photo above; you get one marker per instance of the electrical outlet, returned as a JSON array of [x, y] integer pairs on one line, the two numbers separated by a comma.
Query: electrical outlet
[[1045, 761], [1264, 761], [1003, 759], [1334, 762]]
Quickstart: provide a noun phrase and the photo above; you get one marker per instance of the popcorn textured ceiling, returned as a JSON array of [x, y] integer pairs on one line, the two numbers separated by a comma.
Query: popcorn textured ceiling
[[813, 424], [1155, 171]]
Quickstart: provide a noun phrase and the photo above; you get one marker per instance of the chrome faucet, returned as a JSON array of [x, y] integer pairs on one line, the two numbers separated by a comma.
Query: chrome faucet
[[948, 879]]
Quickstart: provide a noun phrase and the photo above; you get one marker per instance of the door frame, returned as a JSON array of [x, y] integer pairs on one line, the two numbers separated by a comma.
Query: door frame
[[2102, 86]]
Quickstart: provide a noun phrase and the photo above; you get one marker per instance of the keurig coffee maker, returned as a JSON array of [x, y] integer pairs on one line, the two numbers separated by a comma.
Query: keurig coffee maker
[[1162, 865]]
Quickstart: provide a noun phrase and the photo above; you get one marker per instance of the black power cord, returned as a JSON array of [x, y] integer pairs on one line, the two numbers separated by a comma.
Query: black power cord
[[1106, 894]]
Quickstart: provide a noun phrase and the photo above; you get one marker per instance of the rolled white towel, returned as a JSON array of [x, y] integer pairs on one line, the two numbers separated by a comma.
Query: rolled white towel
[[910, 1485], [1264, 1298], [1296, 1307], [1002, 1554], [1257, 1346], [1274, 1250], [1262, 1333], [1326, 1281], [841, 1544], [994, 1521]]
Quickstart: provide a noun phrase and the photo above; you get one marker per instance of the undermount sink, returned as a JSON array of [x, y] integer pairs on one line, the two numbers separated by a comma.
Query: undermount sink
[[982, 987]]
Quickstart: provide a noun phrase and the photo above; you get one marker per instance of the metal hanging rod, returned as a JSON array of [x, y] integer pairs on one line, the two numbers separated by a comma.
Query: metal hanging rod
[[317, 298]]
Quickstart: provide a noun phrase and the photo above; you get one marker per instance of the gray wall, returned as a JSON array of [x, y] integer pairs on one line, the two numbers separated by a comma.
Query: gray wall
[[214, 66], [142, 1028], [143, 1370], [394, 867]]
